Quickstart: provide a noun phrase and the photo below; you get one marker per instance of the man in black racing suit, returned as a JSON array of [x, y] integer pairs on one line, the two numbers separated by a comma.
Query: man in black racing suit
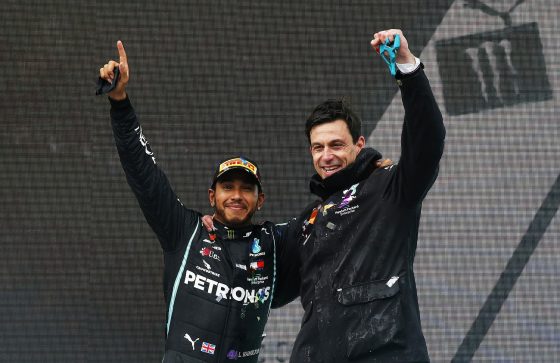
[[219, 286]]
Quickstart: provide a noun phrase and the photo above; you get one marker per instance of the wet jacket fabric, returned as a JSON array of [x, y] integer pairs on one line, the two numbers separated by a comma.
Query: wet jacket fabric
[[359, 240], [218, 287]]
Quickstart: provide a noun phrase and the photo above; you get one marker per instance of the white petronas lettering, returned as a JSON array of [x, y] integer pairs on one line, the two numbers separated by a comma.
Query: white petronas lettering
[[238, 293]]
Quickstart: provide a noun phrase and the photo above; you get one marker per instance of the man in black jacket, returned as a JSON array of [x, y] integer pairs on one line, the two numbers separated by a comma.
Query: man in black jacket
[[359, 240], [219, 286]]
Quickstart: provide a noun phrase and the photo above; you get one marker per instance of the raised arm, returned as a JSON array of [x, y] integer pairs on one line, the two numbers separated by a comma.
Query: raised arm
[[423, 132], [159, 203]]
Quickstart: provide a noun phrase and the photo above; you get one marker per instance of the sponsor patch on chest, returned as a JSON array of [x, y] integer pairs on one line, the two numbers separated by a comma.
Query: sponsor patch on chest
[[223, 291], [346, 204]]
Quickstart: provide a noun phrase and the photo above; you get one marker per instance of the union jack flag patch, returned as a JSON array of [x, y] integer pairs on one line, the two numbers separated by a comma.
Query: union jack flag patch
[[208, 348]]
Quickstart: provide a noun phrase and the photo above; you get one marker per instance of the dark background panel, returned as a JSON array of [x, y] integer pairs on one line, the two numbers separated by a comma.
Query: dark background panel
[[82, 271]]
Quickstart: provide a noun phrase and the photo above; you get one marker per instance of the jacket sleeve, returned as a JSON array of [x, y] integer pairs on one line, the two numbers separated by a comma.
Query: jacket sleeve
[[287, 262], [161, 207], [422, 138]]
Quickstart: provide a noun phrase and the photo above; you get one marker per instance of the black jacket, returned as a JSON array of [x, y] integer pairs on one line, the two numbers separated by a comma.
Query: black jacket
[[219, 287], [357, 252]]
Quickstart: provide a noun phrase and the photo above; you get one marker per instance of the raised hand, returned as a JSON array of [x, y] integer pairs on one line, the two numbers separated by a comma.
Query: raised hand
[[107, 72], [403, 54]]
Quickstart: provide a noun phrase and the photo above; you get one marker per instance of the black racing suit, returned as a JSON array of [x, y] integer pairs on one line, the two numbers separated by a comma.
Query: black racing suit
[[357, 252], [219, 287]]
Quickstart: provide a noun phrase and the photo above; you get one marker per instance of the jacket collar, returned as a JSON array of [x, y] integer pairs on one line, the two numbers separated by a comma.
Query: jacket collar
[[359, 170], [223, 232]]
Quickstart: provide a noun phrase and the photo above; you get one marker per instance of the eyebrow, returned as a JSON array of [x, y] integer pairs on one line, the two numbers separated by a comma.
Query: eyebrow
[[329, 142]]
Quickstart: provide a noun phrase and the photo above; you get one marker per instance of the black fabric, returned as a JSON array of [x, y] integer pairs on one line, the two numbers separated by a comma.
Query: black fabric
[[218, 286], [363, 293], [359, 243], [359, 170], [104, 87], [400, 75], [172, 356]]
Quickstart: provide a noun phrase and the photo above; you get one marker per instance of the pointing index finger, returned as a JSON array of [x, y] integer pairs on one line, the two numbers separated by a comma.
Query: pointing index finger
[[122, 53]]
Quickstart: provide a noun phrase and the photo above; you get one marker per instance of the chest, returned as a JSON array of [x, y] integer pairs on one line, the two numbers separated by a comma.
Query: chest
[[353, 222], [338, 212], [238, 272]]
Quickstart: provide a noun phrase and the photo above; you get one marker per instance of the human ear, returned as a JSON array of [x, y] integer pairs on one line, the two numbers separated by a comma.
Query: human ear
[[360, 143], [260, 201], [212, 197]]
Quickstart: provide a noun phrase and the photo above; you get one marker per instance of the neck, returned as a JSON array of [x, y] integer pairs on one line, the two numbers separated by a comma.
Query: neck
[[230, 225]]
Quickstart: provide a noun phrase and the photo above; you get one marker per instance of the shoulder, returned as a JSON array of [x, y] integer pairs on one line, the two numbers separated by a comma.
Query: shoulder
[[309, 209], [382, 172], [385, 169]]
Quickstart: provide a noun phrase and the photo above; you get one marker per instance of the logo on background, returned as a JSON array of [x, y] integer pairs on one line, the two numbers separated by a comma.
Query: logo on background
[[493, 69]]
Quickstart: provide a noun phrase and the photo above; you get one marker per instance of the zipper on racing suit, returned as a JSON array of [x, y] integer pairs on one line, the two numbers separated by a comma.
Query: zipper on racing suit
[[230, 274]]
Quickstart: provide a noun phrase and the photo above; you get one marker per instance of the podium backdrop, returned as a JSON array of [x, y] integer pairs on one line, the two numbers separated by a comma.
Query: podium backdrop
[[81, 271]]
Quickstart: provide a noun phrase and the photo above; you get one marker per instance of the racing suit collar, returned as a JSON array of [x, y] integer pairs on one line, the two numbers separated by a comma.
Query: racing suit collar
[[359, 170], [223, 232]]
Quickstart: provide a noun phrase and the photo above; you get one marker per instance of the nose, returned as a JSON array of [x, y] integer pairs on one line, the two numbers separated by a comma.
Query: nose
[[326, 155], [236, 194]]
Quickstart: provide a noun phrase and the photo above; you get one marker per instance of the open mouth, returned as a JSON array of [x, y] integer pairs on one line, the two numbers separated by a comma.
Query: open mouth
[[236, 207], [329, 170]]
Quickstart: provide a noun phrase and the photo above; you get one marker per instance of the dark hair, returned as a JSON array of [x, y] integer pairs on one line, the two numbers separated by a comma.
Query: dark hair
[[332, 110]]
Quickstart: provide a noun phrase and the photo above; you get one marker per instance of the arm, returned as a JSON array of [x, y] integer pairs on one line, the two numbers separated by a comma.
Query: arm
[[423, 132], [288, 279], [422, 138], [161, 207]]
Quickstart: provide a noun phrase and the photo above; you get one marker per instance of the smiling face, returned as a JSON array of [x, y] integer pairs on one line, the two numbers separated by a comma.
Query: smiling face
[[332, 147], [235, 198]]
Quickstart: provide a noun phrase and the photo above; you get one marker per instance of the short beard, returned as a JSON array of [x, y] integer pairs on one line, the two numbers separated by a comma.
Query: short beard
[[234, 224]]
